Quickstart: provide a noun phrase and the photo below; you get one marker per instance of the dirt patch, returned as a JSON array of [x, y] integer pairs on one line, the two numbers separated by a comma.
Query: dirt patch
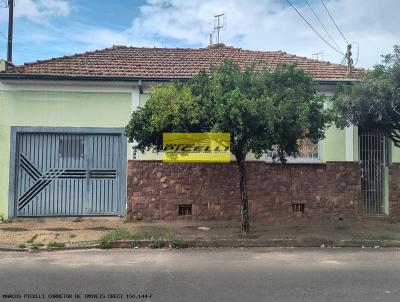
[[74, 230]]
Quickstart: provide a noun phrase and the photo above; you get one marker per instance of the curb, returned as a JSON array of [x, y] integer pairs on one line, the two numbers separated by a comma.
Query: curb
[[279, 243], [240, 243]]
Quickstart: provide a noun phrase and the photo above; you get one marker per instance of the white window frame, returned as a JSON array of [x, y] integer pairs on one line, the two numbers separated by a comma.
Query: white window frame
[[302, 160]]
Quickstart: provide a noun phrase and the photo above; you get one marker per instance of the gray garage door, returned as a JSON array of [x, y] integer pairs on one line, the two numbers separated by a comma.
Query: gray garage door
[[68, 174]]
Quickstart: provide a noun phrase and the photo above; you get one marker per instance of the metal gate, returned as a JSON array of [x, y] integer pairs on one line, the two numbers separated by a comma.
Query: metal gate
[[68, 174], [373, 148]]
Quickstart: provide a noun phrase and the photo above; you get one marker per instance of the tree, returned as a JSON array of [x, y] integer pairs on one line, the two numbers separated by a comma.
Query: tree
[[373, 100], [260, 108]]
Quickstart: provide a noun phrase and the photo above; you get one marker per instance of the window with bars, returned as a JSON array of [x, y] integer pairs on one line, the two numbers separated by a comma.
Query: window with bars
[[308, 152]]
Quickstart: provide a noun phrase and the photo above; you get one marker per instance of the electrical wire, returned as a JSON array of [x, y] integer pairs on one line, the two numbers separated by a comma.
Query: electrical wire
[[315, 31], [337, 27], [320, 22], [3, 36]]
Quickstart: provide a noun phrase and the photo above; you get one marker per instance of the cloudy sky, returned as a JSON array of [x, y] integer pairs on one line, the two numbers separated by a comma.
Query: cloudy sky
[[51, 28]]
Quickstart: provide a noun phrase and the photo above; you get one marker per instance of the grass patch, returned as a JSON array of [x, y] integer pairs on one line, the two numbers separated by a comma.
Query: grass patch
[[72, 236], [117, 234], [154, 233], [157, 244], [22, 246], [30, 241], [179, 244], [36, 245], [381, 236], [56, 245]]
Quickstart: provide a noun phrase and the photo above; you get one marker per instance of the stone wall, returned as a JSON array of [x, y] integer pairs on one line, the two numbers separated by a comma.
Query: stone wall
[[328, 191]]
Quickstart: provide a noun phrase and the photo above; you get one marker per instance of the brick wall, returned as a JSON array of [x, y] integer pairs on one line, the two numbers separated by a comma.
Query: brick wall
[[394, 192], [329, 191]]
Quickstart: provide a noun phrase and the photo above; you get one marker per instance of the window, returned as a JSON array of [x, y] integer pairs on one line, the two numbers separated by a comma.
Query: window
[[71, 147], [308, 152]]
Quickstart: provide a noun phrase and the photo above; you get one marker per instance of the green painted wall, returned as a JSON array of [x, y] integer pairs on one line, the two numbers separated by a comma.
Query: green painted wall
[[333, 146], [55, 109]]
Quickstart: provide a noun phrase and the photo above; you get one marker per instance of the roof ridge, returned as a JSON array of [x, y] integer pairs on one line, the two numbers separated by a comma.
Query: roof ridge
[[168, 62]]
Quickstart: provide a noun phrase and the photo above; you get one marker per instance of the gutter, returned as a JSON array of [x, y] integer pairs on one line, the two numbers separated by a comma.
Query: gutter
[[20, 76]]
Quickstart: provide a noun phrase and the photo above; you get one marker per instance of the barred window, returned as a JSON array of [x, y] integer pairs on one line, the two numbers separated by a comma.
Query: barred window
[[308, 152]]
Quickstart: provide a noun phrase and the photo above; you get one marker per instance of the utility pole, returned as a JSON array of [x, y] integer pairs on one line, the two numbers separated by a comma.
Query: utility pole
[[349, 60], [10, 30]]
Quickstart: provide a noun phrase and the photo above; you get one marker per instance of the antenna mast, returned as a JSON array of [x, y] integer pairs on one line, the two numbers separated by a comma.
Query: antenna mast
[[219, 24]]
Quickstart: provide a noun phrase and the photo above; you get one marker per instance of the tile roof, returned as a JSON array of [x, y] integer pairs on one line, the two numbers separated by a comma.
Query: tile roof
[[168, 63]]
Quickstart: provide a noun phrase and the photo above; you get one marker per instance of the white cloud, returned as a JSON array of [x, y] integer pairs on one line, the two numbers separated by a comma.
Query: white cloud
[[41, 11], [271, 25], [251, 24]]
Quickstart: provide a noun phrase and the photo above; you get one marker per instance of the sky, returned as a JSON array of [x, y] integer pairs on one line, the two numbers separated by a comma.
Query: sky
[[53, 28]]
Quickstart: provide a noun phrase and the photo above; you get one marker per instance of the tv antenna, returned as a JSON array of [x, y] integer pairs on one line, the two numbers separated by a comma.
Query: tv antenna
[[318, 54], [219, 23]]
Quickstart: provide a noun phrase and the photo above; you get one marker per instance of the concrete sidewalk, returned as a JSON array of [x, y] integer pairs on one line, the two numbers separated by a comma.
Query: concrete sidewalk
[[88, 231]]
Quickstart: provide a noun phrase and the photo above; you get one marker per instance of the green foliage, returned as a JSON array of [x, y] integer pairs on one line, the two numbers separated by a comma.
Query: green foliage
[[35, 245], [157, 244], [259, 108], [373, 101], [117, 234], [32, 239], [179, 244], [22, 246], [56, 245]]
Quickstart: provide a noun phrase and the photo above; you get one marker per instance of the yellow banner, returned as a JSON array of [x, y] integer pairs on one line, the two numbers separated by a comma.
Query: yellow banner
[[196, 147]]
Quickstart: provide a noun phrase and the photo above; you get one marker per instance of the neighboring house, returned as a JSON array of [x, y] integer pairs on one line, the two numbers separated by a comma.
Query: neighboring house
[[63, 149]]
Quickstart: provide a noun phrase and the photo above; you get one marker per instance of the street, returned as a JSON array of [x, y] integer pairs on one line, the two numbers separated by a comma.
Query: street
[[202, 275]]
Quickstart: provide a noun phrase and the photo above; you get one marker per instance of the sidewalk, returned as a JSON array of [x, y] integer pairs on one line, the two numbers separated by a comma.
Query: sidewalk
[[88, 231]]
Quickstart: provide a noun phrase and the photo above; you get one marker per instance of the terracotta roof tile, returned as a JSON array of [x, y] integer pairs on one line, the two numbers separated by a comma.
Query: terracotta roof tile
[[168, 63]]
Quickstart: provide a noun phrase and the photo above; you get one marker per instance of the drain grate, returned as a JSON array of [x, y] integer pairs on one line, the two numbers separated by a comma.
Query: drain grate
[[298, 207], [185, 209]]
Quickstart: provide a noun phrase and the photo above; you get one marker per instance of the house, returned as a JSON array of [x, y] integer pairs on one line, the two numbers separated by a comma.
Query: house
[[63, 151]]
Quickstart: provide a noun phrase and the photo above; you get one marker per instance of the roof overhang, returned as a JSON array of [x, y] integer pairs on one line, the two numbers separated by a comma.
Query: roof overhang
[[41, 77]]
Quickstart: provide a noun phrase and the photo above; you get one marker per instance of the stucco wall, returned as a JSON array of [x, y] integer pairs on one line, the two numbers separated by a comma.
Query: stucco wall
[[55, 109]]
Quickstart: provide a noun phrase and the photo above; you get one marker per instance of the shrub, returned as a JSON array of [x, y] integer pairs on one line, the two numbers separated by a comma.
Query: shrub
[[157, 244], [179, 244]]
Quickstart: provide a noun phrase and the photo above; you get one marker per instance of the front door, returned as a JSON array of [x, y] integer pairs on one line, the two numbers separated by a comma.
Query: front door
[[373, 157]]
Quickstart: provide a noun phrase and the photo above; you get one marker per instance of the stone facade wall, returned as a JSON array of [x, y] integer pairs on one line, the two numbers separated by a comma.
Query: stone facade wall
[[328, 191], [394, 192]]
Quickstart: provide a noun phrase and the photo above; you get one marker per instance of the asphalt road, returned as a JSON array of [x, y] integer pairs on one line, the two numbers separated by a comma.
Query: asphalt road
[[202, 275]]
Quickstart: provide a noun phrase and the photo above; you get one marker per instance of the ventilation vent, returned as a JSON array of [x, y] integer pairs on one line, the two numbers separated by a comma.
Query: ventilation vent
[[298, 207], [185, 209]]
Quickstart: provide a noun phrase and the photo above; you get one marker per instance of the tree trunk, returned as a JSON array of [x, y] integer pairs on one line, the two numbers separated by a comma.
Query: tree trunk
[[244, 201]]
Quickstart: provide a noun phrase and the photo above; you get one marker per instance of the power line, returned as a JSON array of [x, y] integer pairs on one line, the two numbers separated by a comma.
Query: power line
[[320, 22], [316, 32], [3, 36], [337, 27]]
